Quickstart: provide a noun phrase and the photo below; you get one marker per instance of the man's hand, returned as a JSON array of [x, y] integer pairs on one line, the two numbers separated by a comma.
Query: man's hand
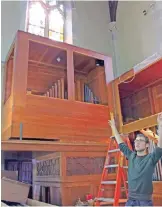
[[112, 124], [115, 131], [159, 119]]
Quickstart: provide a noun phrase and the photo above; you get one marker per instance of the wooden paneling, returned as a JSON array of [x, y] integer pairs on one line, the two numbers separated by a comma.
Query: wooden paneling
[[67, 189], [97, 82], [45, 117], [157, 193], [136, 106], [79, 87], [42, 78], [8, 76], [70, 75], [20, 70], [45, 146], [7, 119]]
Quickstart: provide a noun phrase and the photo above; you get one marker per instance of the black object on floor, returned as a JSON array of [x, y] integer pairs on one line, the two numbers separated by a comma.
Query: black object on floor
[[9, 203]]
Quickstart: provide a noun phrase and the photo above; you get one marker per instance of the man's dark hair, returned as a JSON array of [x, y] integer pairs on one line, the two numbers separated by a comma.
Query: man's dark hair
[[142, 135]]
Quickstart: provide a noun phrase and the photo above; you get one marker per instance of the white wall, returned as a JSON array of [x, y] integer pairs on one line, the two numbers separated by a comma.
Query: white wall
[[91, 26], [13, 14], [138, 36], [12, 18]]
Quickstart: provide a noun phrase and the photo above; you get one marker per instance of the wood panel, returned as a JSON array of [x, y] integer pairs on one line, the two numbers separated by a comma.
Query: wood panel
[[137, 125], [42, 78], [44, 117], [45, 146], [69, 188], [7, 118], [136, 106], [80, 80], [97, 82], [8, 77], [157, 193], [20, 70]]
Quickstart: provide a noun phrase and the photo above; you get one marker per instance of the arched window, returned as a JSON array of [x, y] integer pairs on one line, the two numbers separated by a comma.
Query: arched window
[[46, 18]]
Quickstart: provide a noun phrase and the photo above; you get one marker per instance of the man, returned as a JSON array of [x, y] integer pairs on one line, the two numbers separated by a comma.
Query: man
[[141, 166]]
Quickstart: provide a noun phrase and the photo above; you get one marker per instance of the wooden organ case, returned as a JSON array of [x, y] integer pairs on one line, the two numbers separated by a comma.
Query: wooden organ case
[[55, 91], [56, 99]]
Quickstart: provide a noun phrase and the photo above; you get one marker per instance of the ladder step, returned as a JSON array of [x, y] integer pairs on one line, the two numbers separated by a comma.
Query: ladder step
[[115, 165], [114, 150], [105, 199], [111, 166], [109, 182], [110, 200]]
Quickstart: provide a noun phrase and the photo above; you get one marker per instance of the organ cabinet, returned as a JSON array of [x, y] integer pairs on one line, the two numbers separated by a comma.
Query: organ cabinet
[[55, 91]]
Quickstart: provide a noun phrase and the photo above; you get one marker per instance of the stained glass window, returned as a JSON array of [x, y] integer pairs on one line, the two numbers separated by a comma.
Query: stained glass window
[[46, 18], [56, 25]]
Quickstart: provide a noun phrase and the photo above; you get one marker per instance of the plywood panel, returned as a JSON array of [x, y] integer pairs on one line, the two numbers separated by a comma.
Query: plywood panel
[[45, 117], [97, 82], [7, 119], [157, 193], [136, 106], [41, 78], [69, 188], [8, 76]]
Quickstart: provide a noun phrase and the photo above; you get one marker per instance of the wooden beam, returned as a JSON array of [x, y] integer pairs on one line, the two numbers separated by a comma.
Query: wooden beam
[[45, 52], [51, 146], [140, 124], [20, 69], [78, 86], [70, 75], [54, 66], [10, 50], [62, 45], [47, 64]]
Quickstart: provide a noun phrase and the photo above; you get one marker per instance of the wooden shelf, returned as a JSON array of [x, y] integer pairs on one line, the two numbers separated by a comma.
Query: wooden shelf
[[19, 145]]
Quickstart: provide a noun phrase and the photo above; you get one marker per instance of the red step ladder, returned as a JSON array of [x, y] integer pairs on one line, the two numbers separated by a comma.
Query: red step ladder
[[121, 176]]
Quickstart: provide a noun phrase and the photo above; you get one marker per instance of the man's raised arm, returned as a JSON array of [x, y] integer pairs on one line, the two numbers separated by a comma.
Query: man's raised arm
[[123, 147], [115, 132]]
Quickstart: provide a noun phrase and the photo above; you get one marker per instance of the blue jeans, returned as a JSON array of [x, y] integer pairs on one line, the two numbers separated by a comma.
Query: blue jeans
[[132, 202]]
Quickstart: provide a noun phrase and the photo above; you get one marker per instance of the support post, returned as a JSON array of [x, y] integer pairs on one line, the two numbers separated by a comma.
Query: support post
[[20, 69], [70, 75]]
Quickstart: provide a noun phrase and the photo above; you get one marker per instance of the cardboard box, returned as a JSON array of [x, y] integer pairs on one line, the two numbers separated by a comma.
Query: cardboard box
[[13, 175], [14, 191]]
